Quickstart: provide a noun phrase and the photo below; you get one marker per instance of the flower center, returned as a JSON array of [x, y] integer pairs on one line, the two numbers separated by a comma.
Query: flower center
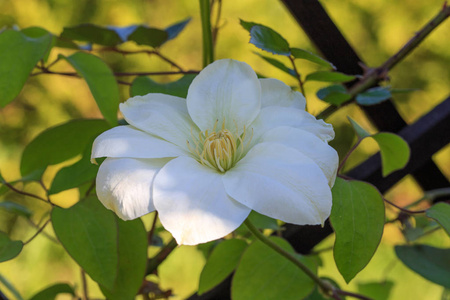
[[219, 149]]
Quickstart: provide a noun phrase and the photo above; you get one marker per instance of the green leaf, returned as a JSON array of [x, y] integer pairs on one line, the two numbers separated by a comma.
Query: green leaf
[[8, 248], [92, 34], [174, 30], [357, 217], [360, 132], [10, 287], [262, 221], [75, 175], [38, 32], [327, 76], [266, 38], [429, 262], [59, 143], [19, 54], [51, 292], [278, 64], [303, 54], [101, 82], [221, 263], [143, 85], [334, 94], [317, 294], [16, 208], [153, 37], [88, 232], [265, 274], [373, 96], [441, 213], [402, 91], [132, 251], [376, 290], [394, 151]]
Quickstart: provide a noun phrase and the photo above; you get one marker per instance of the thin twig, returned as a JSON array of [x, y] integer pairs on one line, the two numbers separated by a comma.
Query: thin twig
[[375, 75], [159, 258], [90, 188], [297, 74], [152, 229], [404, 209], [25, 193], [85, 286], [51, 238], [354, 295], [344, 160], [37, 232]]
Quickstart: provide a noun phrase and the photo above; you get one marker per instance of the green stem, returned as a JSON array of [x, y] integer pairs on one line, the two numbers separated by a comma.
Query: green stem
[[326, 287], [208, 49], [159, 258]]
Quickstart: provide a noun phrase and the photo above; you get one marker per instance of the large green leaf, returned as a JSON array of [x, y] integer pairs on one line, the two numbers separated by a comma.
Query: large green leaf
[[101, 82], [357, 217], [373, 96], [51, 292], [88, 232], [441, 213], [430, 262], [303, 54], [132, 251], [221, 263], [266, 38], [75, 175], [265, 274], [327, 76], [144, 85], [394, 151], [8, 248], [59, 143], [18, 56]]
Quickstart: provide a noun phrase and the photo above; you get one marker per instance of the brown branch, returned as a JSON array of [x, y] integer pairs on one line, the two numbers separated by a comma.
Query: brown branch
[[37, 232], [159, 258], [375, 75], [152, 229], [404, 209], [25, 193]]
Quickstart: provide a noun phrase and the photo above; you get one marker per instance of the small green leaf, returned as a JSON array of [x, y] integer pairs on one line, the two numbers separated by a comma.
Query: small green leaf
[[16, 208], [376, 290], [59, 143], [88, 232], [373, 96], [429, 262], [265, 274], [153, 37], [334, 94], [262, 222], [51, 292], [303, 54], [8, 248], [266, 38], [75, 175], [221, 263], [441, 213], [327, 76], [132, 255], [19, 54], [92, 34], [174, 30], [357, 217], [360, 132], [101, 82], [278, 64], [143, 85], [394, 151]]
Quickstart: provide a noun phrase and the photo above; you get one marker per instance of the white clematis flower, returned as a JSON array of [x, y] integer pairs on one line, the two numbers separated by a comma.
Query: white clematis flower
[[236, 144]]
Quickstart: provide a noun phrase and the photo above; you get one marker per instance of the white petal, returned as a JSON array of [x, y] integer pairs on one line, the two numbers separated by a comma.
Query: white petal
[[225, 90], [282, 183], [162, 115], [276, 92], [127, 141], [276, 116], [124, 185], [307, 143], [192, 203]]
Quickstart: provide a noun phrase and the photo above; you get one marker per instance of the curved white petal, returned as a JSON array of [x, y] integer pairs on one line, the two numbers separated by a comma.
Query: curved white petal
[[309, 144], [192, 203], [276, 92], [226, 90], [127, 141], [162, 115], [276, 116], [124, 185], [282, 183]]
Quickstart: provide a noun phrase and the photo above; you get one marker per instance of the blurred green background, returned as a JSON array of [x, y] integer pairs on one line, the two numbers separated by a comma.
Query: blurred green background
[[375, 28]]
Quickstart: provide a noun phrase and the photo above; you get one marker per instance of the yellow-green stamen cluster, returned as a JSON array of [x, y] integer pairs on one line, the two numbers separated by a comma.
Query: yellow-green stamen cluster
[[219, 149]]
